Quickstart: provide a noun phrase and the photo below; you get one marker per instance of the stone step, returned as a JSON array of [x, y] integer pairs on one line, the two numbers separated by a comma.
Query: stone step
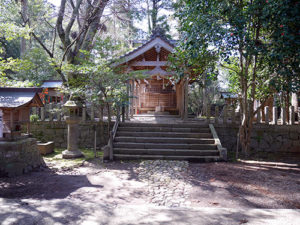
[[164, 146], [177, 125], [163, 134], [170, 152], [165, 140], [164, 129], [167, 157]]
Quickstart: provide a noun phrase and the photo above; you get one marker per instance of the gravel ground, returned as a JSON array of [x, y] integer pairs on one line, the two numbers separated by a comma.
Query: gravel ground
[[247, 184]]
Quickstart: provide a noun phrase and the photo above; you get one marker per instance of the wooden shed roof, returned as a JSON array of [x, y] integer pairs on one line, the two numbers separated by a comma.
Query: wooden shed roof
[[17, 97]]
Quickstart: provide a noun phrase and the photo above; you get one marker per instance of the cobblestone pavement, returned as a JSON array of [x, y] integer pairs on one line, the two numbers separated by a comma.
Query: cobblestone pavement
[[166, 181]]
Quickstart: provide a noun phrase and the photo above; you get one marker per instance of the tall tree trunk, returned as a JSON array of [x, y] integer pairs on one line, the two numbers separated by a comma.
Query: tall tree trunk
[[24, 14], [154, 13]]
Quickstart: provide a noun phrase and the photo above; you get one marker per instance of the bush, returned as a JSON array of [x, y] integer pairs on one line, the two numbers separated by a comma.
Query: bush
[[34, 118]]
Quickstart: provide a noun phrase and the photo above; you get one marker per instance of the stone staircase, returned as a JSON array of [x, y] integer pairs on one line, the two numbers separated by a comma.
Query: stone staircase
[[166, 141]]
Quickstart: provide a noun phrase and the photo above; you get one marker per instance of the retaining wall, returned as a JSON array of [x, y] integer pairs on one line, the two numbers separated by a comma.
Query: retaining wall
[[265, 138], [57, 131], [268, 138], [19, 156]]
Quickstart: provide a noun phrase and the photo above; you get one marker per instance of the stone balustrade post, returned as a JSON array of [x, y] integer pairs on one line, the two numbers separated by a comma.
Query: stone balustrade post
[[225, 114], [275, 115], [216, 114], [208, 113], [92, 113], [233, 115], [42, 113], [50, 112], [258, 116], [292, 115], [266, 114], [83, 114], [283, 114]]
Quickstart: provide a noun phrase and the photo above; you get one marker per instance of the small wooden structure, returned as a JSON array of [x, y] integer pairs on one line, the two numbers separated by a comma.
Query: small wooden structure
[[158, 91], [229, 98], [15, 104], [51, 92]]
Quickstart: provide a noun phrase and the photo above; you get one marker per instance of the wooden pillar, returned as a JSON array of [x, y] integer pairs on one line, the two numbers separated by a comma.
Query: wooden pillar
[[132, 99], [186, 95], [127, 105], [11, 120]]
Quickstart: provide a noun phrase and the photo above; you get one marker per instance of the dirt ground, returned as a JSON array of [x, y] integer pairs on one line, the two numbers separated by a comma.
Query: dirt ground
[[244, 184]]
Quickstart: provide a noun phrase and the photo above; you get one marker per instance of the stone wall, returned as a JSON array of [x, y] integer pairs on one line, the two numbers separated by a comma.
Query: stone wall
[[278, 138], [266, 138], [19, 156], [57, 131]]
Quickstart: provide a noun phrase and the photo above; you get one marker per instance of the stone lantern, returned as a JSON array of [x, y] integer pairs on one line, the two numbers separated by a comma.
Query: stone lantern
[[72, 120]]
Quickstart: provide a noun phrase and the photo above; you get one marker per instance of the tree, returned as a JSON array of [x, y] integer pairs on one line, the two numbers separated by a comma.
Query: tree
[[239, 34]]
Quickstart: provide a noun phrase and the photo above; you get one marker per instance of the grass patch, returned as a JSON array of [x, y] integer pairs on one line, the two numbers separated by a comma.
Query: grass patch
[[55, 159]]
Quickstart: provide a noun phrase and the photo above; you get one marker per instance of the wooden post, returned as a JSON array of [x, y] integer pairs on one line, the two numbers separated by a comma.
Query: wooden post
[[127, 105], [225, 114], [216, 114], [266, 114], [283, 114], [11, 115], [132, 99], [292, 115], [275, 115], [92, 112], [186, 93], [83, 114]]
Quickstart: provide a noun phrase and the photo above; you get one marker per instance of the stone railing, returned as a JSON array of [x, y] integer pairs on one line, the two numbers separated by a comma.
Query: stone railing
[[268, 116], [56, 112]]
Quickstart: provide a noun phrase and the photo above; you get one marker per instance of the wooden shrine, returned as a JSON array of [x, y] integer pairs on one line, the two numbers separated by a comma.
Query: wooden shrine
[[157, 92], [15, 104]]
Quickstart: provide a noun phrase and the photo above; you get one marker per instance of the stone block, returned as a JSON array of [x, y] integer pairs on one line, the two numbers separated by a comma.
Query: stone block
[[46, 148], [14, 169]]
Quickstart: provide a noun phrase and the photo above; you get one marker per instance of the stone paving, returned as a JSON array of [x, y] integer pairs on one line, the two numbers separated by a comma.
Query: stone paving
[[166, 181]]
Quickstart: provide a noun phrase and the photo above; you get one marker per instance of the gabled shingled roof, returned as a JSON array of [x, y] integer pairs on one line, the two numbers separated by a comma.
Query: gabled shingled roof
[[16, 97], [157, 37]]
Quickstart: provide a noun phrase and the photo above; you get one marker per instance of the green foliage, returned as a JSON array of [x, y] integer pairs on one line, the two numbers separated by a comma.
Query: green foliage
[[34, 118], [35, 66]]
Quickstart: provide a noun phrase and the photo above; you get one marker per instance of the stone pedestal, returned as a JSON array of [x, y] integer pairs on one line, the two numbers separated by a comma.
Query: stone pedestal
[[72, 151]]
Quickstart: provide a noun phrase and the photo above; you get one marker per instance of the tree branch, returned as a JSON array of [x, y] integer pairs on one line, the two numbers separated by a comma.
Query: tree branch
[[72, 20], [59, 22]]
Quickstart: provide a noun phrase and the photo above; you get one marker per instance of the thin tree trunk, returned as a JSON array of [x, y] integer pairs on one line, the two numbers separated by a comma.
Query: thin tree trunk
[[24, 14]]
